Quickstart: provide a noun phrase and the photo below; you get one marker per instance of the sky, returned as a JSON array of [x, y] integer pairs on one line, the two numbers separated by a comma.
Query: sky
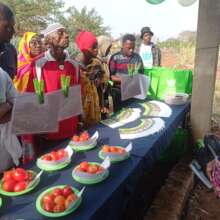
[[166, 20]]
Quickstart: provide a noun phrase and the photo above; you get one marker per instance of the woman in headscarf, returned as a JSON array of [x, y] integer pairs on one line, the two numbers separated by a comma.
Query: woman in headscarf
[[93, 78], [29, 48]]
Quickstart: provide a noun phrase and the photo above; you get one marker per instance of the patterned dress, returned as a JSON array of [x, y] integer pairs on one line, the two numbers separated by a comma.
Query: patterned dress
[[93, 81]]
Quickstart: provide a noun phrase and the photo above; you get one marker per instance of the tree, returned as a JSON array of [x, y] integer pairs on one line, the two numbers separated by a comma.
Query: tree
[[84, 19], [34, 15]]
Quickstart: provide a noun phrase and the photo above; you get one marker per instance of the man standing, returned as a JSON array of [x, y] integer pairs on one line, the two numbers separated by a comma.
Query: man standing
[[8, 54], [49, 68], [149, 52]]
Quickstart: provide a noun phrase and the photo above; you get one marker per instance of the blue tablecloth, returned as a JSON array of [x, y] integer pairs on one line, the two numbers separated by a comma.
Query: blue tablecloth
[[105, 200]]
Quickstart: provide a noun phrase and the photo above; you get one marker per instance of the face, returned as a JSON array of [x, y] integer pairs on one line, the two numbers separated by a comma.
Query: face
[[6, 29], [147, 38], [128, 48], [60, 39], [35, 46], [93, 51]]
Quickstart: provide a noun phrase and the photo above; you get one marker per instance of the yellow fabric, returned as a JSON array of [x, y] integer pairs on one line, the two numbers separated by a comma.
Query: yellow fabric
[[24, 59], [21, 84]]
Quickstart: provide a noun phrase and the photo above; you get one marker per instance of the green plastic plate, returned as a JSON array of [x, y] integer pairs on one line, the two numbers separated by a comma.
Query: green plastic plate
[[113, 160], [53, 167], [22, 192], [82, 148], [90, 181], [56, 215]]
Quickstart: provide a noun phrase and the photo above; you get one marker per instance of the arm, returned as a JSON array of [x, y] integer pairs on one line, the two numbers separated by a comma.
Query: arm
[[4, 109], [113, 70], [209, 169], [6, 118]]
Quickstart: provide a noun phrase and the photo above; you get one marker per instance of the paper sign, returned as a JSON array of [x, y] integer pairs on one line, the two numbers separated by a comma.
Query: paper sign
[[144, 85], [130, 86], [69, 106], [30, 117]]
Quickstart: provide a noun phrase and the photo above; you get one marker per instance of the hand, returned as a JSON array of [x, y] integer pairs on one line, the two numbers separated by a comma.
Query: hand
[[209, 169], [105, 110]]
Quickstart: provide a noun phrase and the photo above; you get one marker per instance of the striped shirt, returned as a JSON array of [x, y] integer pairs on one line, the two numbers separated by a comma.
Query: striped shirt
[[118, 63]]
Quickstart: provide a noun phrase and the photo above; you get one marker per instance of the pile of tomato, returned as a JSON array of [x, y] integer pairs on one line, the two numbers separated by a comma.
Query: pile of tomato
[[84, 136], [16, 180], [55, 155], [90, 168], [58, 200], [113, 149]]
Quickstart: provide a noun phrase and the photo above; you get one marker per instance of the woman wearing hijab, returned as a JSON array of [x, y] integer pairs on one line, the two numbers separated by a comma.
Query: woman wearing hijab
[[93, 79], [30, 48]]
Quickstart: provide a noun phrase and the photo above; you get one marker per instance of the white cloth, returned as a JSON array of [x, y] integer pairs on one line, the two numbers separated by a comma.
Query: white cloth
[[10, 148], [52, 28], [146, 55]]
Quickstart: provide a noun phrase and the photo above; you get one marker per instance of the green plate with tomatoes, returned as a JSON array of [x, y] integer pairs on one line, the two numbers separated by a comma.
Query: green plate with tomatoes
[[33, 186], [60, 214], [90, 181], [83, 148], [54, 167], [116, 159]]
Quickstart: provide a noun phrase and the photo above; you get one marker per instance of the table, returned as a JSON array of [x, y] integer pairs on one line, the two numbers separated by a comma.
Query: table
[[105, 200]]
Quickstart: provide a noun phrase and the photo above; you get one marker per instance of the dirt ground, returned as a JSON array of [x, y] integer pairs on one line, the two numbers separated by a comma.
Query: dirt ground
[[202, 205]]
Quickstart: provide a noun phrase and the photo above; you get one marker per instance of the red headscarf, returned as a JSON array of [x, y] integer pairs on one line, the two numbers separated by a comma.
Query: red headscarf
[[85, 40]]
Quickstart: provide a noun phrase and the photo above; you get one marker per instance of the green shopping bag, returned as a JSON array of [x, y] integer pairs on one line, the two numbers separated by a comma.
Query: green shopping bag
[[178, 147], [166, 80]]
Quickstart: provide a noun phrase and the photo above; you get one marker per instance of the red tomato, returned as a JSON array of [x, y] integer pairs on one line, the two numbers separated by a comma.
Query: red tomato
[[59, 200], [54, 155], [20, 174], [67, 190], [75, 138], [84, 166], [20, 186], [49, 206], [106, 149], [113, 149], [59, 208], [85, 135], [100, 169], [121, 150], [81, 139], [47, 157], [92, 169], [8, 175], [9, 185], [30, 176], [61, 153], [71, 198], [48, 198], [57, 192]]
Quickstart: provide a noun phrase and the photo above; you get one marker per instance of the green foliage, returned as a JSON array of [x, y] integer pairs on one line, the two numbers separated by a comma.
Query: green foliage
[[33, 15], [76, 20], [84, 19]]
